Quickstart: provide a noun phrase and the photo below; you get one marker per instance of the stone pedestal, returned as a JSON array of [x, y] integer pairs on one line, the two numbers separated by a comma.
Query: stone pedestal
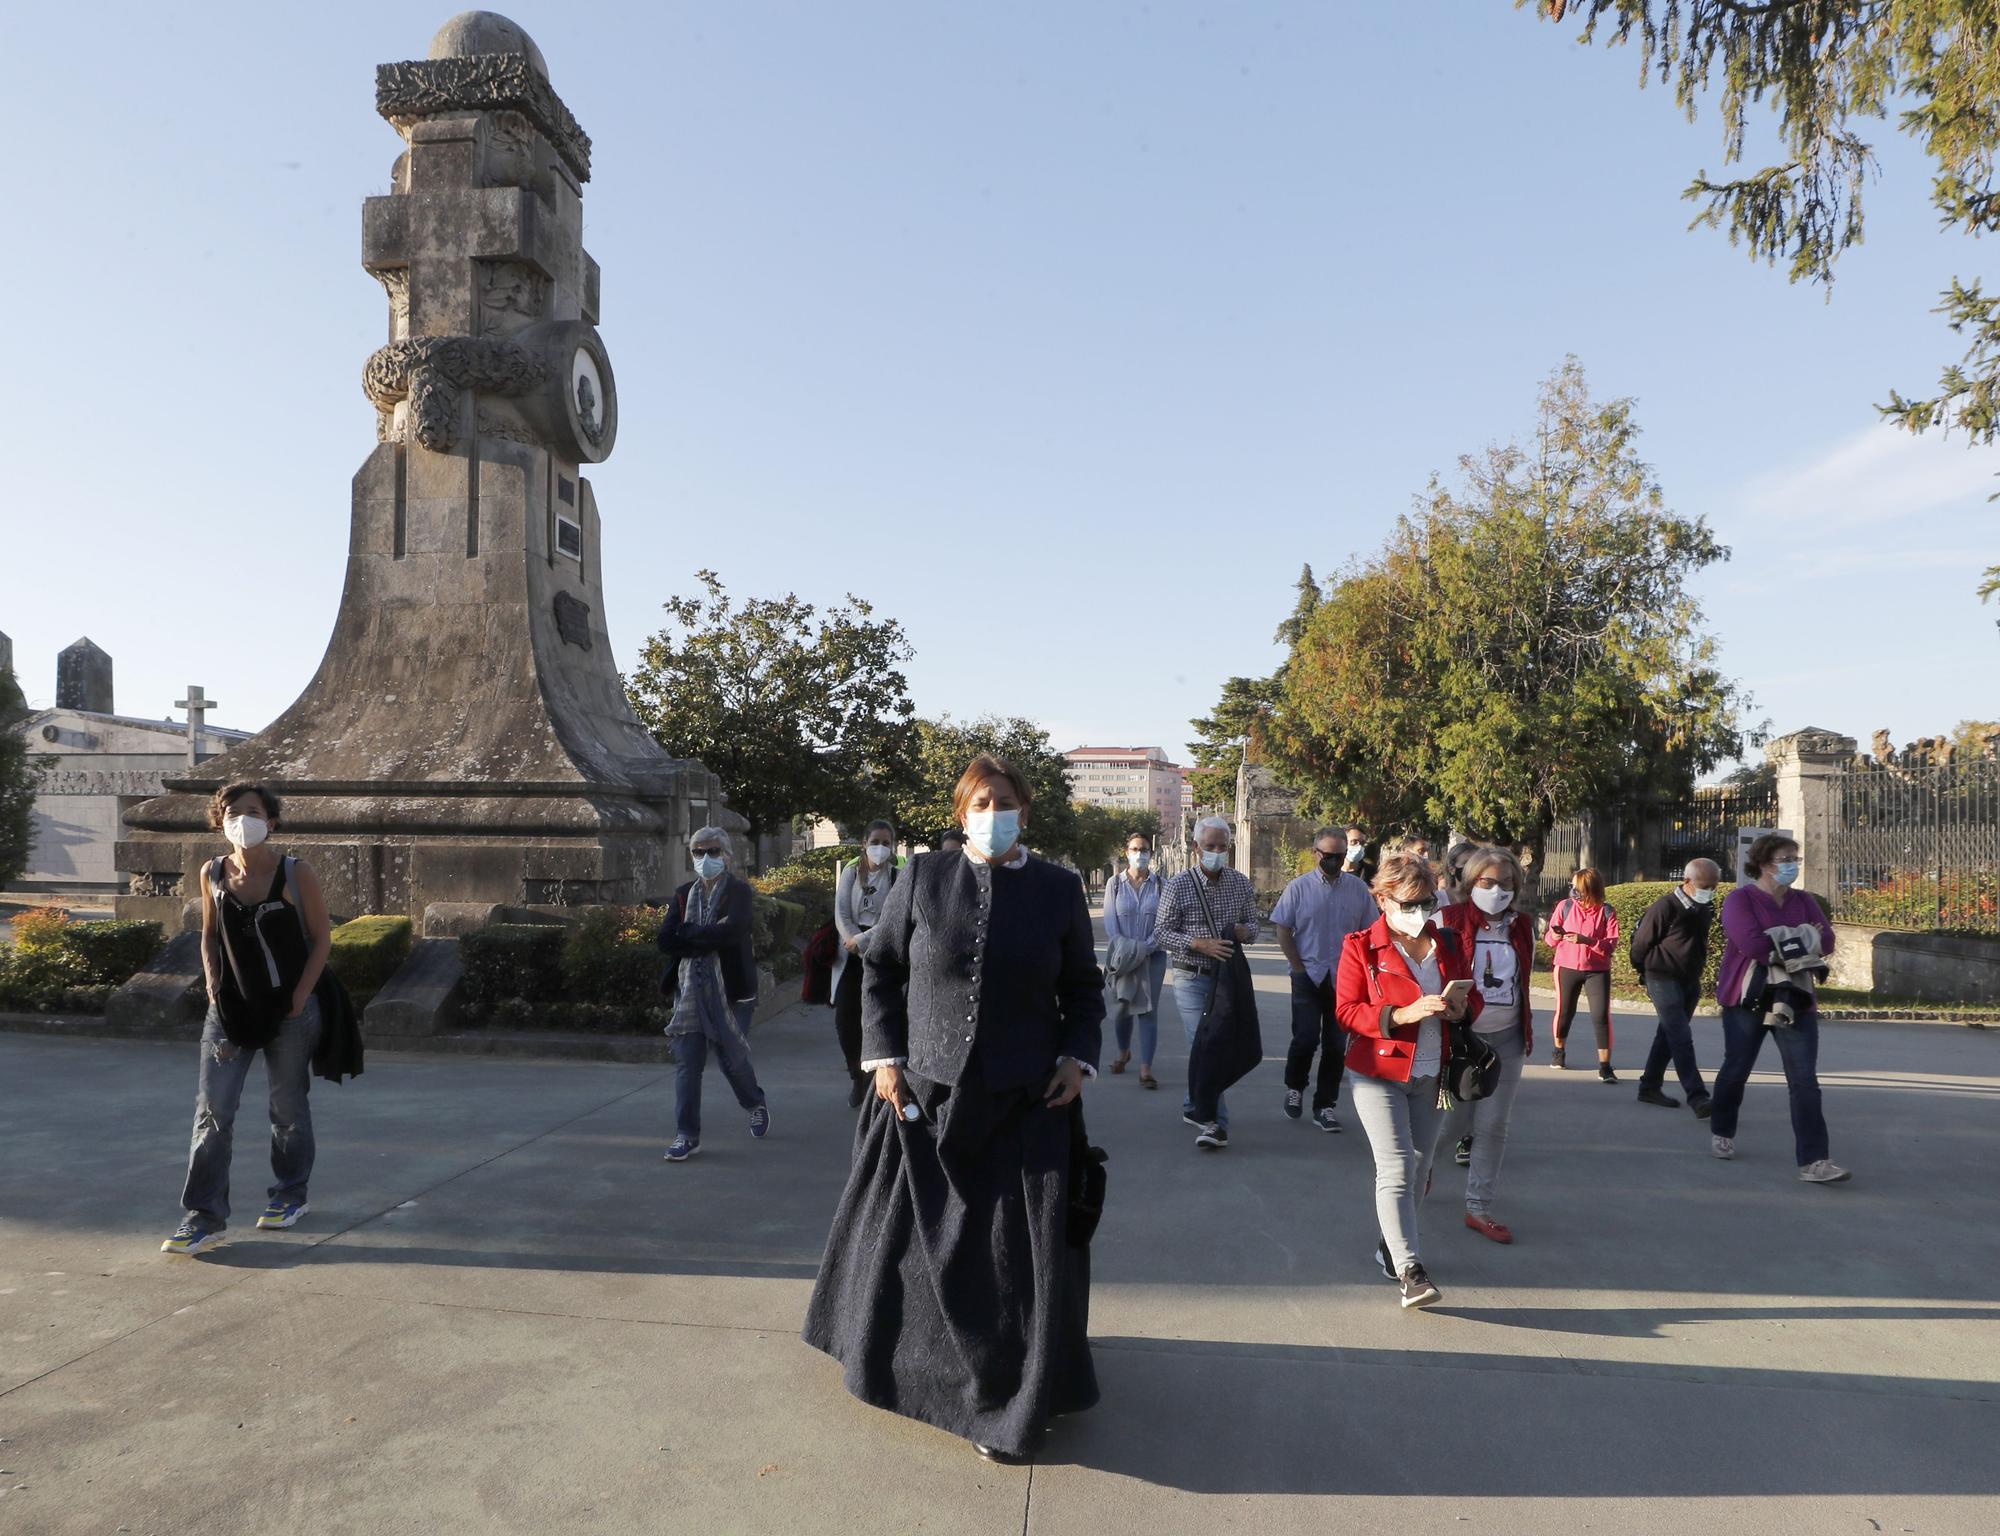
[[1808, 765], [1269, 830], [467, 736]]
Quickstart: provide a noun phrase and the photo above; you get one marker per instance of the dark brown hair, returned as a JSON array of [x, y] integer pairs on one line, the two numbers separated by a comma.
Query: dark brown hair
[[982, 769], [220, 802], [1589, 887], [1765, 851]]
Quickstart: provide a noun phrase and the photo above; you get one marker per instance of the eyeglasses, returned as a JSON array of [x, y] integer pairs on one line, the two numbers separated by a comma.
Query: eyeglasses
[[1426, 905]]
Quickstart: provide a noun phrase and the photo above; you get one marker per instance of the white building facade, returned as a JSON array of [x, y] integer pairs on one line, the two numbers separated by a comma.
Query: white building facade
[[1127, 778]]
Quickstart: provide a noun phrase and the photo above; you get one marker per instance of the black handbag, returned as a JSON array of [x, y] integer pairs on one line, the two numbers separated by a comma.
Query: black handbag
[[1473, 1071]]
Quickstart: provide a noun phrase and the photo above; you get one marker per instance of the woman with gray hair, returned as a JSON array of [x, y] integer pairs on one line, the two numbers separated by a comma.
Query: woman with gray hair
[[712, 981], [1499, 939]]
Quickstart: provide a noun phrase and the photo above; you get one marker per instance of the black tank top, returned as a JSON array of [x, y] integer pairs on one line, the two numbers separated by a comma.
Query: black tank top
[[263, 954]]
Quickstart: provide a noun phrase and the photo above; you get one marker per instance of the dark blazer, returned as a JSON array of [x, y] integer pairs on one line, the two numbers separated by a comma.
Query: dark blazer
[[966, 957], [728, 936]]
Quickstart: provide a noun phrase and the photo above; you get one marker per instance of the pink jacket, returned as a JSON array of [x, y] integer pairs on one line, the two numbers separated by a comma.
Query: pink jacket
[[1595, 931]]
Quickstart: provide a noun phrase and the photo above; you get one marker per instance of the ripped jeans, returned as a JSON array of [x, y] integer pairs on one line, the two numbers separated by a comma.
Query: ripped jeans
[[288, 1066]]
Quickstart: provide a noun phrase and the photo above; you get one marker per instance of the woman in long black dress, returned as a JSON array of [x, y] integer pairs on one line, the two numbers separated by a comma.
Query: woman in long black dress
[[951, 1291]]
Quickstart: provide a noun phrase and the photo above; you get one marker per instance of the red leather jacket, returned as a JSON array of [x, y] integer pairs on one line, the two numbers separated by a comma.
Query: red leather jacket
[[1373, 981], [1465, 919]]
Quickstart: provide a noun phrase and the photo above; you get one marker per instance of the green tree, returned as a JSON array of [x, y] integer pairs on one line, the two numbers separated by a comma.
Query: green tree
[[1102, 831], [920, 798], [1235, 728], [798, 712], [1825, 68], [1522, 648], [19, 773]]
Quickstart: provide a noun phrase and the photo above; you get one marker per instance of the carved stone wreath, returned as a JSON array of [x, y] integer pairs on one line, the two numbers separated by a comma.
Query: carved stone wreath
[[430, 371], [482, 82]]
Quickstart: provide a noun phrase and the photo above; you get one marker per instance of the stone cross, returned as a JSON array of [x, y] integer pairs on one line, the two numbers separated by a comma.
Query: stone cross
[[197, 706]]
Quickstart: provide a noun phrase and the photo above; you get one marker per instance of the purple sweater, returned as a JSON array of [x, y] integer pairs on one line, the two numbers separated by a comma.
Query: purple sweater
[[1746, 913]]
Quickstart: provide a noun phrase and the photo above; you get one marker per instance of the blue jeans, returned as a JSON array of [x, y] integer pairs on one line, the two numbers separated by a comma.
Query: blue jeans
[[1674, 1040], [691, 1057], [218, 1091], [1149, 1023], [1798, 1048], [1191, 994]]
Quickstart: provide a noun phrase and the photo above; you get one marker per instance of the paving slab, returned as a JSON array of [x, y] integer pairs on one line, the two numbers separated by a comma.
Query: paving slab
[[503, 1304]]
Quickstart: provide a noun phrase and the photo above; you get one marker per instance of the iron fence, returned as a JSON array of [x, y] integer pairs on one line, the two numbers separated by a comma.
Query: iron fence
[[1704, 826], [1919, 848]]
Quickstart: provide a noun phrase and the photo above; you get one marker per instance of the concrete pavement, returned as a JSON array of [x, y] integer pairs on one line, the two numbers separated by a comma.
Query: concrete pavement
[[505, 1313]]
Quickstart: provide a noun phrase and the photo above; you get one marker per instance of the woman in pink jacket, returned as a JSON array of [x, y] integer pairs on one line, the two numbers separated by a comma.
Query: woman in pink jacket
[[1583, 931]]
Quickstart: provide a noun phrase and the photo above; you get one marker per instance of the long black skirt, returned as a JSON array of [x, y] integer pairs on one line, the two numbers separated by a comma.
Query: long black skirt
[[950, 1292]]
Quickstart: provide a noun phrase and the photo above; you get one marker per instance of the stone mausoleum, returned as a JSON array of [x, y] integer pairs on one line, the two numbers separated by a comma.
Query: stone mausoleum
[[466, 738]]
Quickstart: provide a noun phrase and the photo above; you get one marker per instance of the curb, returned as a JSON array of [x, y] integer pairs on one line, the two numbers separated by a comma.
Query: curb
[[1942, 1014]]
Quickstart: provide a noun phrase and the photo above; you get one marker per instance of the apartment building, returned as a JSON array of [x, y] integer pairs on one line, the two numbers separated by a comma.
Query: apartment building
[[1127, 778]]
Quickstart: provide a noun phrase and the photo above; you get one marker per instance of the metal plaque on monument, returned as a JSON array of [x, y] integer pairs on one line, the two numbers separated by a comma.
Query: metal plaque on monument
[[466, 738]]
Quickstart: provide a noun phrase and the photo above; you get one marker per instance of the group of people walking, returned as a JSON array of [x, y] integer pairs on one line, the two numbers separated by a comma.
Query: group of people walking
[[969, 1007]]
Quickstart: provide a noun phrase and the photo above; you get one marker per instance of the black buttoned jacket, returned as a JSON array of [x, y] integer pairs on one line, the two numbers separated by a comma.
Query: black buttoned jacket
[[970, 958]]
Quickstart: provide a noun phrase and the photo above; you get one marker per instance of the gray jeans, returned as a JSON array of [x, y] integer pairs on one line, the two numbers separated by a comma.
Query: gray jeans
[[1402, 1122], [1486, 1120]]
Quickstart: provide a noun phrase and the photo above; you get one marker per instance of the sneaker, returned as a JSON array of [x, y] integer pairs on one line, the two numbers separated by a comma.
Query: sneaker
[[1701, 1107], [280, 1214], [1462, 1153], [1660, 1097], [192, 1236], [1327, 1120], [1214, 1137], [1824, 1172], [1486, 1226], [1295, 1103], [760, 1120], [682, 1149], [1605, 1074], [1382, 1260], [1187, 1118], [1417, 1288], [1722, 1146], [857, 1091], [1556, 1059]]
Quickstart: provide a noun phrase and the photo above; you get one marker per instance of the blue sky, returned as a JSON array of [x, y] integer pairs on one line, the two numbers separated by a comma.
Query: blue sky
[[1064, 332]]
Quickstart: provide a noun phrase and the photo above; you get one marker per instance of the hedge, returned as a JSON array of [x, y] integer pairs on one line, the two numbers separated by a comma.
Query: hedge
[[512, 960], [367, 951], [1630, 902], [57, 964]]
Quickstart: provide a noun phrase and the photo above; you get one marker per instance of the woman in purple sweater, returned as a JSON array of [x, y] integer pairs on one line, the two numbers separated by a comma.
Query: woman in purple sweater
[[1765, 901]]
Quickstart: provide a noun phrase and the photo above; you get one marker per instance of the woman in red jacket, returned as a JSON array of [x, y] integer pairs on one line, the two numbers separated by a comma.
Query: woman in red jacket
[[1390, 996], [1499, 939], [1583, 930]]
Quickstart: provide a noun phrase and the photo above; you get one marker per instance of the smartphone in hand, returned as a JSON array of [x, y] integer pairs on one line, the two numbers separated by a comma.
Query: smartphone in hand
[[1455, 991]]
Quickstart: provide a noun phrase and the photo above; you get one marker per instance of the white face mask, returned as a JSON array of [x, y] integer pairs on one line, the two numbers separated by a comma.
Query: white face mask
[[879, 853], [245, 831], [1139, 860], [993, 833], [1701, 897], [1492, 902], [1409, 924], [1213, 859]]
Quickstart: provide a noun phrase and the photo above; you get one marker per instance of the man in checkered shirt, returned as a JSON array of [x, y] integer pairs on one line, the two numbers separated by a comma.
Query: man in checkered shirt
[[1183, 929]]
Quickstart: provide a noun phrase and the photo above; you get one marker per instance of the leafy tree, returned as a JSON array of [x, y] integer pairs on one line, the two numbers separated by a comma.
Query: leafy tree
[[1825, 67], [920, 798], [1520, 649], [1223, 737], [1102, 831], [797, 712], [19, 773]]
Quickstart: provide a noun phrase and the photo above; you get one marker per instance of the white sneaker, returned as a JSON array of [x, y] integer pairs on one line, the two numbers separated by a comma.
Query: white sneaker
[[1722, 1146], [1824, 1172]]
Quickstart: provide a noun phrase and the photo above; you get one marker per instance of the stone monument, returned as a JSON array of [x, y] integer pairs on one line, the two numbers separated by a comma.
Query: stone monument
[[83, 678], [467, 737]]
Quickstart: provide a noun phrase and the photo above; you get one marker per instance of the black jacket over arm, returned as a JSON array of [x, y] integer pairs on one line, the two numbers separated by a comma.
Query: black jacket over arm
[[966, 957], [728, 936]]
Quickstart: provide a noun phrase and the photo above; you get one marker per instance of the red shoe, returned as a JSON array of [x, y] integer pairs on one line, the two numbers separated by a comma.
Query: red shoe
[[1485, 1226]]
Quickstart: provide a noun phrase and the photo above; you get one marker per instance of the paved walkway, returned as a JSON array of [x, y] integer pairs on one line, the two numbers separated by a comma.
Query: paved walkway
[[505, 1313]]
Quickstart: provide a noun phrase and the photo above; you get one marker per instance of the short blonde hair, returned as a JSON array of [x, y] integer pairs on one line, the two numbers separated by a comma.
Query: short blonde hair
[[1404, 877], [1482, 859]]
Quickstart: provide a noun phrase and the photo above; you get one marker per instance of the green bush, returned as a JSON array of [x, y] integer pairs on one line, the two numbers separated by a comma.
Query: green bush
[[803, 886], [522, 961], [111, 954], [35, 980], [367, 951], [609, 957]]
